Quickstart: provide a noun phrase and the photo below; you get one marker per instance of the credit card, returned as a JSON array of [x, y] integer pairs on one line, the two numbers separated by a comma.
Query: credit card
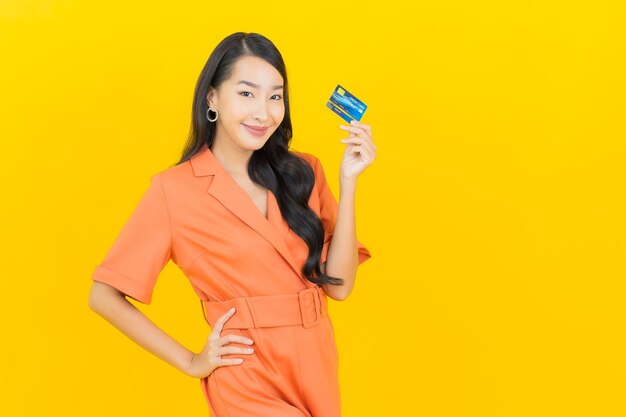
[[346, 105]]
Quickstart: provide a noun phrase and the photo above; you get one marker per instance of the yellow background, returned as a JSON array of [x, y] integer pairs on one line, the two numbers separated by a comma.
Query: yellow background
[[495, 211]]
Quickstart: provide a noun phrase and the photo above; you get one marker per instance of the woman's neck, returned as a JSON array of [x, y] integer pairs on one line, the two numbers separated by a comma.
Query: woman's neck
[[232, 158]]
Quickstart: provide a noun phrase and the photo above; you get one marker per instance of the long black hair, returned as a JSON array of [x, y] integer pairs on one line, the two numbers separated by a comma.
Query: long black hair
[[273, 166]]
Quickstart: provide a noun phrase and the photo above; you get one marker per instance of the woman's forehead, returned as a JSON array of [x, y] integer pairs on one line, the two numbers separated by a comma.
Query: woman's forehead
[[256, 72]]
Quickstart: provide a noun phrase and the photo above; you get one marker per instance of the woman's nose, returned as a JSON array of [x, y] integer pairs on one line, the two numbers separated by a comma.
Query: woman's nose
[[261, 112]]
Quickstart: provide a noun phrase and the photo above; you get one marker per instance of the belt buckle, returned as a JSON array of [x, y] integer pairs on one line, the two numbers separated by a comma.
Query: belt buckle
[[305, 297]]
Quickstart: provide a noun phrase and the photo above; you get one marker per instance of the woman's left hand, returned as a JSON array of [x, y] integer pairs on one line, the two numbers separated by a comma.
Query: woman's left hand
[[359, 153]]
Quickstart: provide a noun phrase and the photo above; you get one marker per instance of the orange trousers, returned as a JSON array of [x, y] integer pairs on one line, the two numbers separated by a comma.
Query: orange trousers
[[293, 369]]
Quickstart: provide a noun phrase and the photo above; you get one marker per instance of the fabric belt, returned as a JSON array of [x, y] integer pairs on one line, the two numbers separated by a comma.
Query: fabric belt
[[305, 308]]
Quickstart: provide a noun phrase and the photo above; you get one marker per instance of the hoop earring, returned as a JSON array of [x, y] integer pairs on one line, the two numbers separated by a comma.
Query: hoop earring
[[213, 110]]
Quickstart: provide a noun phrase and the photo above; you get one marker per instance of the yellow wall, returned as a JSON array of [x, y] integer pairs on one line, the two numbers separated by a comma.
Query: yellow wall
[[495, 211]]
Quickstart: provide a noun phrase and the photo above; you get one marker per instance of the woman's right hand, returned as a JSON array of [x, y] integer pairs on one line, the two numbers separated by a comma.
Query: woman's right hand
[[210, 358]]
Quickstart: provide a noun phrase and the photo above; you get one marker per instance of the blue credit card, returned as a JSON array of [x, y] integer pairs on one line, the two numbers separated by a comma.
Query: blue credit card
[[346, 105]]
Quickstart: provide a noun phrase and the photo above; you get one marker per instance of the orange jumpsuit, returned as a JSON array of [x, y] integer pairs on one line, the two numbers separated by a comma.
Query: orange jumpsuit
[[196, 215]]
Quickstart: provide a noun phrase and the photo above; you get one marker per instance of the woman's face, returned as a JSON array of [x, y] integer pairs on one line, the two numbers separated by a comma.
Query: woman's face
[[253, 97]]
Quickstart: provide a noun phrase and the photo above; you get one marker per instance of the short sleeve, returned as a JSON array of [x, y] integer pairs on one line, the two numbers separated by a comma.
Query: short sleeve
[[328, 214], [141, 249]]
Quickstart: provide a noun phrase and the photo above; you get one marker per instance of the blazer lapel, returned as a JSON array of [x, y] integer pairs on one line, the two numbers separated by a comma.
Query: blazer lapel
[[237, 201]]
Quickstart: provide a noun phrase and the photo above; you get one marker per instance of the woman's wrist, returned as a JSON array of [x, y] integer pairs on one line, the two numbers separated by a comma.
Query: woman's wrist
[[347, 184], [187, 364]]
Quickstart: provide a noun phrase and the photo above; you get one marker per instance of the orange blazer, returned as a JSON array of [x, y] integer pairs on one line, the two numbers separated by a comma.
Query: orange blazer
[[196, 215]]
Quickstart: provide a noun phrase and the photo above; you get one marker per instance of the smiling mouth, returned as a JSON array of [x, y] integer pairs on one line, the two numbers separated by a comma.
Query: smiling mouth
[[256, 131], [260, 128]]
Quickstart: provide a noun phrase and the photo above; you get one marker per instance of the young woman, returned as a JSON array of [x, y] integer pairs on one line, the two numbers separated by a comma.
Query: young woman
[[258, 232]]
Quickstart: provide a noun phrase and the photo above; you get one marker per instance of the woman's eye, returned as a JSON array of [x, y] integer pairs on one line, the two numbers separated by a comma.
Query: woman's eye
[[247, 92]]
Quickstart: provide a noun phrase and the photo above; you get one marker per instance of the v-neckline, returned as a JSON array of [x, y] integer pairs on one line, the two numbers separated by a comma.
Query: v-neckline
[[274, 216], [267, 204], [267, 201], [223, 187]]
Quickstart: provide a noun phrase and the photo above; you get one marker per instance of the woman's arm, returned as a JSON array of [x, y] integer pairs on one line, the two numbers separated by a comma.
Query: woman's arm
[[113, 306], [342, 258]]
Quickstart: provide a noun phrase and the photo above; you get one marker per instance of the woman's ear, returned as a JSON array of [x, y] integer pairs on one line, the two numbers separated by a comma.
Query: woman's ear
[[210, 97]]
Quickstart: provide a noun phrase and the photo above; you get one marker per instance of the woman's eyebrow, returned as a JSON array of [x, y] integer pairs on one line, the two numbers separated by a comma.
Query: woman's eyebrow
[[251, 84]]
